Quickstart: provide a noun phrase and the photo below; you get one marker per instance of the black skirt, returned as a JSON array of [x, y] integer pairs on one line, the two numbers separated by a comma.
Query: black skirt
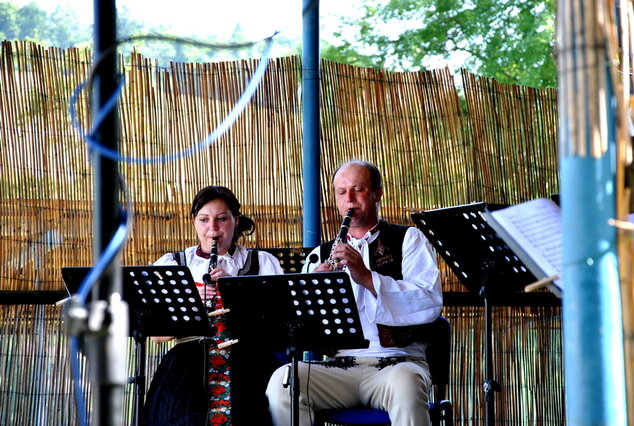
[[178, 392]]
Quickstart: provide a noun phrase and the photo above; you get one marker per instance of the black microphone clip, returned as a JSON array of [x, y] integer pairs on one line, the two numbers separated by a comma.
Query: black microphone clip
[[207, 279]]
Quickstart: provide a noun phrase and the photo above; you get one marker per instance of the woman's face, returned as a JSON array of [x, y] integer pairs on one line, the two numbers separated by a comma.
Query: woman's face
[[215, 220]]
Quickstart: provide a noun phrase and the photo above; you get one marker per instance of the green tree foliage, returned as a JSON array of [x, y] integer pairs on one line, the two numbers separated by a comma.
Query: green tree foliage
[[63, 29], [509, 40], [29, 22], [9, 26]]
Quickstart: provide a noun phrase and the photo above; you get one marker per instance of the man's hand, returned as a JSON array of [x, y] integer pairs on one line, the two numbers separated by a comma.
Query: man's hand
[[323, 267], [346, 255]]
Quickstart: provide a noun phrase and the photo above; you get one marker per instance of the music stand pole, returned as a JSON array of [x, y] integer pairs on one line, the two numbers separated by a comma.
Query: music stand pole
[[490, 385], [139, 376], [295, 390]]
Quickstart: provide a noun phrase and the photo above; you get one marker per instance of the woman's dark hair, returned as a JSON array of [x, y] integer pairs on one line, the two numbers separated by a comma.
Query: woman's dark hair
[[246, 226]]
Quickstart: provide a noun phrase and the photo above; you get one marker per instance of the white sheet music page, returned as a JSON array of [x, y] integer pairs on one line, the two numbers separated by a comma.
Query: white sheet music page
[[534, 228]]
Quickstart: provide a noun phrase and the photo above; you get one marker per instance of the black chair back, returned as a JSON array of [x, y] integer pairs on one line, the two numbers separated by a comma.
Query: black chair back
[[437, 336]]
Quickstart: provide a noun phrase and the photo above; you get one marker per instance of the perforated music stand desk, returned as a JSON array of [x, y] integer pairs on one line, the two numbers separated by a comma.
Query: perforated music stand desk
[[297, 312], [483, 263], [472, 249], [163, 301]]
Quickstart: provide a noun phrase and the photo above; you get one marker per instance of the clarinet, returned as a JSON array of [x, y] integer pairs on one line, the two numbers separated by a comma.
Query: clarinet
[[213, 255], [213, 264], [215, 312], [341, 238]]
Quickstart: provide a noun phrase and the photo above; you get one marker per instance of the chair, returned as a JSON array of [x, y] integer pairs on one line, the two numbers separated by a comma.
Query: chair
[[437, 336]]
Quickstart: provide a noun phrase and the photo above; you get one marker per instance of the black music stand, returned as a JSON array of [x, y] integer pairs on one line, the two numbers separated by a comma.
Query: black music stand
[[296, 312], [483, 263], [163, 301]]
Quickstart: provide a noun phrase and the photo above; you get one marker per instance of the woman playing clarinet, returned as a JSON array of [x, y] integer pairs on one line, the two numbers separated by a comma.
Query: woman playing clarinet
[[200, 381]]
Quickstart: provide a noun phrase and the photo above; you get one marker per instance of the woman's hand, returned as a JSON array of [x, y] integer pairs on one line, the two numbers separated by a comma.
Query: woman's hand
[[209, 291], [217, 273], [206, 292]]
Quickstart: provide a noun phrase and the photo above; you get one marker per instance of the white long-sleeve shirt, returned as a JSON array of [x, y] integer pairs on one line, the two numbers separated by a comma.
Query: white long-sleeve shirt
[[231, 263], [415, 299]]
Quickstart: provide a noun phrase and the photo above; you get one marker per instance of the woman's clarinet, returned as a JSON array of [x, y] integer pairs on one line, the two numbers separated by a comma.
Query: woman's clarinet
[[341, 238], [213, 264], [213, 255]]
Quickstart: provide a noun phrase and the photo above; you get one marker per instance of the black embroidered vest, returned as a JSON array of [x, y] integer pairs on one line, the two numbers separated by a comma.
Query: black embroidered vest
[[386, 257], [386, 251]]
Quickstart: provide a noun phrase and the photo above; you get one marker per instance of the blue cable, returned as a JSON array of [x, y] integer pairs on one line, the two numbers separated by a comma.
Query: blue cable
[[114, 155], [118, 239], [78, 392], [108, 254]]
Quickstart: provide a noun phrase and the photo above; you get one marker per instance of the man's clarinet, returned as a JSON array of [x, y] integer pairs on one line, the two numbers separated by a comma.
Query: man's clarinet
[[341, 238]]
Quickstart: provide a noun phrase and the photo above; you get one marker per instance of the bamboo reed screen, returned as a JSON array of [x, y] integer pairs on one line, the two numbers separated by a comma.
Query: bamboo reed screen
[[434, 152]]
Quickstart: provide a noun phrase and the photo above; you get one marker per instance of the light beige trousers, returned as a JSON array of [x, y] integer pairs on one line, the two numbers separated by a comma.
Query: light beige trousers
[[401, 389]]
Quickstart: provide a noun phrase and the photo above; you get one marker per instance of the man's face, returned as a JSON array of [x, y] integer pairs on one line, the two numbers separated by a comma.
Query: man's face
[[353, 190]]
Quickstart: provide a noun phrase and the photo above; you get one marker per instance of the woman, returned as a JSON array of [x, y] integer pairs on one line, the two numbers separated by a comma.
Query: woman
[[197, 383]]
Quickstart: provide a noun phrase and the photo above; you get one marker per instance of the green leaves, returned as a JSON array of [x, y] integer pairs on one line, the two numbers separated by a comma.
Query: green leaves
[[29, 22], [509, 40]]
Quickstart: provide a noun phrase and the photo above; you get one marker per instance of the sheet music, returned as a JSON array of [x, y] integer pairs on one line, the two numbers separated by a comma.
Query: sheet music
[[534, 229]]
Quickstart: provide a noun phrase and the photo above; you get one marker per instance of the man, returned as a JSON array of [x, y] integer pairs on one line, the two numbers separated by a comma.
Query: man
[[396, 283]]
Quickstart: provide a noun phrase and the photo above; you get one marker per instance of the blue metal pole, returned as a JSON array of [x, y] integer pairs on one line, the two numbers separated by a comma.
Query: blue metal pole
[[592, 317], [310, 123]]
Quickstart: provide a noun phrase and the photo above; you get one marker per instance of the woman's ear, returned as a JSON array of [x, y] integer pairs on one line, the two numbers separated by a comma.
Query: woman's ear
[[235, 229]]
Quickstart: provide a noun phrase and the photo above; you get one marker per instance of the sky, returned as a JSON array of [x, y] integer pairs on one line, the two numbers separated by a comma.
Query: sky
[[258, 18]]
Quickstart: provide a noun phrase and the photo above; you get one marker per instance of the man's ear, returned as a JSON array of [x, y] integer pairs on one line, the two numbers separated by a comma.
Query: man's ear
[[378, 194]]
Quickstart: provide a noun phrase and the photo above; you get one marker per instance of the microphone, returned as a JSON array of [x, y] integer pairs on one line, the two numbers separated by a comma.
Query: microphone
[[207, 279], [313, 258]]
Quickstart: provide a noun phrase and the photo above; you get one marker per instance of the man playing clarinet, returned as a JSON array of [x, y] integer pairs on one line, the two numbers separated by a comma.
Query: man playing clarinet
[[396, 284]]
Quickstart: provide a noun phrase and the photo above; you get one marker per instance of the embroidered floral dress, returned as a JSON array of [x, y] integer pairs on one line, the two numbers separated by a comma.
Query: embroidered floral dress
[[219, 372]]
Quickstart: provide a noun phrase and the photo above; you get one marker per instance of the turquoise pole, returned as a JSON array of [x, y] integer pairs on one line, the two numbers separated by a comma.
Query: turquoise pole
[[592, 317], [310, 123]]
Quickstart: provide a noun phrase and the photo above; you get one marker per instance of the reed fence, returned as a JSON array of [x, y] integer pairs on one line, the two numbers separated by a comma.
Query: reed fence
[[436, 147]]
